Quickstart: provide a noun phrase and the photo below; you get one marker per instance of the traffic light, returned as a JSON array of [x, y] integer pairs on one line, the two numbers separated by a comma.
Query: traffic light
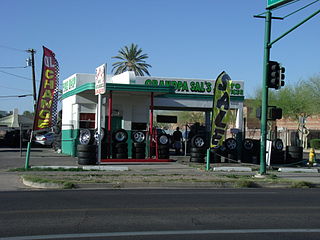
[[275, 113], [276, 75]]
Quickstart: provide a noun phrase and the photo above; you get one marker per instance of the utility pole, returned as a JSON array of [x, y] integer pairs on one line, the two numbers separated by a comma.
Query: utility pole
[[32, 52], [264, 107], [266, 61]]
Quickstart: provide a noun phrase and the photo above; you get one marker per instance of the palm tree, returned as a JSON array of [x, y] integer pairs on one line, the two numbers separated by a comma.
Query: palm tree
[[132, 60]]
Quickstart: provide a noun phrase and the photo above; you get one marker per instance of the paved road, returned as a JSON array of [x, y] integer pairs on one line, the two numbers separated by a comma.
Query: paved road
[[161, 214]]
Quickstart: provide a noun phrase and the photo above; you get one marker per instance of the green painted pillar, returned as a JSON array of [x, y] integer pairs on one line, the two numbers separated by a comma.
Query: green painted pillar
[[264, 104]]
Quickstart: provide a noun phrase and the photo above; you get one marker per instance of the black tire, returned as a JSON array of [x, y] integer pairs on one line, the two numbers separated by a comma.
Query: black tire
[[214, 157], [139, 156], [277, 157], [103, 136], [163, 156], [138, 145], [120, 145], [163, 147], [121, 150], [197, 155], [198, 160], [197, 150], [248, 145], [86, 154], [294, 148], [86, 148], [138, 150], [163, 151], [87, 161], [231, 144], [197, 141], [163, 139], [120, 136], [277, 144], [85, 137], [138, 136], [121, 156]]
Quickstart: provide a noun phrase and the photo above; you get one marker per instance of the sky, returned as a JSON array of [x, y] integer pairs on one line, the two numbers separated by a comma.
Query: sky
[[183, 38]]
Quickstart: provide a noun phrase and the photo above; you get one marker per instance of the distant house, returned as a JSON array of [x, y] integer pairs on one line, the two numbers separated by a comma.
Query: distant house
[[3, 113], [15, 121], [286, 128]]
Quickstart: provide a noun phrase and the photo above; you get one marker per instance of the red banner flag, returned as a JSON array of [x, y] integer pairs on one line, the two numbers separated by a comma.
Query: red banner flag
[[46, 112]]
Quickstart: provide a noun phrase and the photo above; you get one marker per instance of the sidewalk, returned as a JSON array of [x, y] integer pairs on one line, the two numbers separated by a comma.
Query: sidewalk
[[179, 174]]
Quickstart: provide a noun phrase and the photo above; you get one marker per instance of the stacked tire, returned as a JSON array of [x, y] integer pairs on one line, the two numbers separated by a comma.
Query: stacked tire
[[163, 146], [120, 145], [251, 151], [198, 149], [87, 154], [231, 147], [86, 151], [104, 143], [248, 150], [294, 154], [138, 145], [277, 155]]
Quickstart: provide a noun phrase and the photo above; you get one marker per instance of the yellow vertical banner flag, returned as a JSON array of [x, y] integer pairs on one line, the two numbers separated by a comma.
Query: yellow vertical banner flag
[[220, 109]]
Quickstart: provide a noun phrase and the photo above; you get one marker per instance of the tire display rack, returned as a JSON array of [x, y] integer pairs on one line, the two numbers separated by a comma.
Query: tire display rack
[[114, 143]]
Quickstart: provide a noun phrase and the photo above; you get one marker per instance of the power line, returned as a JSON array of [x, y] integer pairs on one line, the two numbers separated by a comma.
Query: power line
[[15, 67], [18, 76], [13, 88], [301, 9], [15, 96], [13, 49]]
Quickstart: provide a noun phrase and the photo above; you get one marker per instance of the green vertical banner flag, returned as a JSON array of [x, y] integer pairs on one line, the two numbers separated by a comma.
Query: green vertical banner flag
[[220, 109]]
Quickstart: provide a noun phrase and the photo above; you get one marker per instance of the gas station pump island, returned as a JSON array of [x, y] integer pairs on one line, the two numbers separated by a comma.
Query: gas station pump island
[[127, 111]]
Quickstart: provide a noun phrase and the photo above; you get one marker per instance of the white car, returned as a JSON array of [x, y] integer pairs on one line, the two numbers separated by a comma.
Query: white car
[[45, 139]]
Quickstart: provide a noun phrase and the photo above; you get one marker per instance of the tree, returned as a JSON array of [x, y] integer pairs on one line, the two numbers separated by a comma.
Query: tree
[[132, 59], [28, 114], [295, 101], [298, 102]]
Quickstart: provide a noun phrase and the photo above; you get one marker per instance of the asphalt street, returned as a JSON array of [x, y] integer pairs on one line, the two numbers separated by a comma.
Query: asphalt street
[[161, 214]]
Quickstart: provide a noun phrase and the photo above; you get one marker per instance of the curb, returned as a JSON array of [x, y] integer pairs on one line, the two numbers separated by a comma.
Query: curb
[[88, 167], [298, 170], [42, 185], [232, 169]]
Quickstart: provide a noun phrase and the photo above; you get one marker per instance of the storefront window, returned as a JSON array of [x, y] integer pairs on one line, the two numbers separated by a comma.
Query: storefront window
[[87, 120]]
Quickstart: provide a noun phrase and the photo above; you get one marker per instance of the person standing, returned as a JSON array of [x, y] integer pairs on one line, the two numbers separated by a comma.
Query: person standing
[[177, 139]]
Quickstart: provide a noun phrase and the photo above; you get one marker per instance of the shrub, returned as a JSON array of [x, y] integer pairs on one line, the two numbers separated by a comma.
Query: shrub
[[315, 143]]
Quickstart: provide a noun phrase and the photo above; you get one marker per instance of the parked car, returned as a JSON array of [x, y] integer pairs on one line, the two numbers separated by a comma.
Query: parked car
[[45, 139]]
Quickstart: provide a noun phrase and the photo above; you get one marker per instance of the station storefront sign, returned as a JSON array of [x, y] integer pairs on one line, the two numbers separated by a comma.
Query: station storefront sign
[[69, 84], [189, 86], [181, 85]]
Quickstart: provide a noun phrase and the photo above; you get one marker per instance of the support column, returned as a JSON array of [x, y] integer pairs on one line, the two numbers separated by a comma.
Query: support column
[[109, 123], [264, 105]]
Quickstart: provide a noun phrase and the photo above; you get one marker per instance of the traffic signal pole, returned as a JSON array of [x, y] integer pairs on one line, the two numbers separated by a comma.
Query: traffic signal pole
[[264, 104]]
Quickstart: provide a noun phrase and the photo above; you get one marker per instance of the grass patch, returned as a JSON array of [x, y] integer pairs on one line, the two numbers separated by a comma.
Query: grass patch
[[148, 170], [246, 184], [302, 184], [234, 176], [49, 170], [37, 179]]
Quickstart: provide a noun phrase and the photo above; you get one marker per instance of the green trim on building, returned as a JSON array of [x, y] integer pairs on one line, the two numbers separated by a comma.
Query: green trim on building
[[121, 87], [139, 88], [82, 88], [69, 141]]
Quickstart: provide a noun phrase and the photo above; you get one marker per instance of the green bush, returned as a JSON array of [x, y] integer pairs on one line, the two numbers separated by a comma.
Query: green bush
[[315, 143]]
